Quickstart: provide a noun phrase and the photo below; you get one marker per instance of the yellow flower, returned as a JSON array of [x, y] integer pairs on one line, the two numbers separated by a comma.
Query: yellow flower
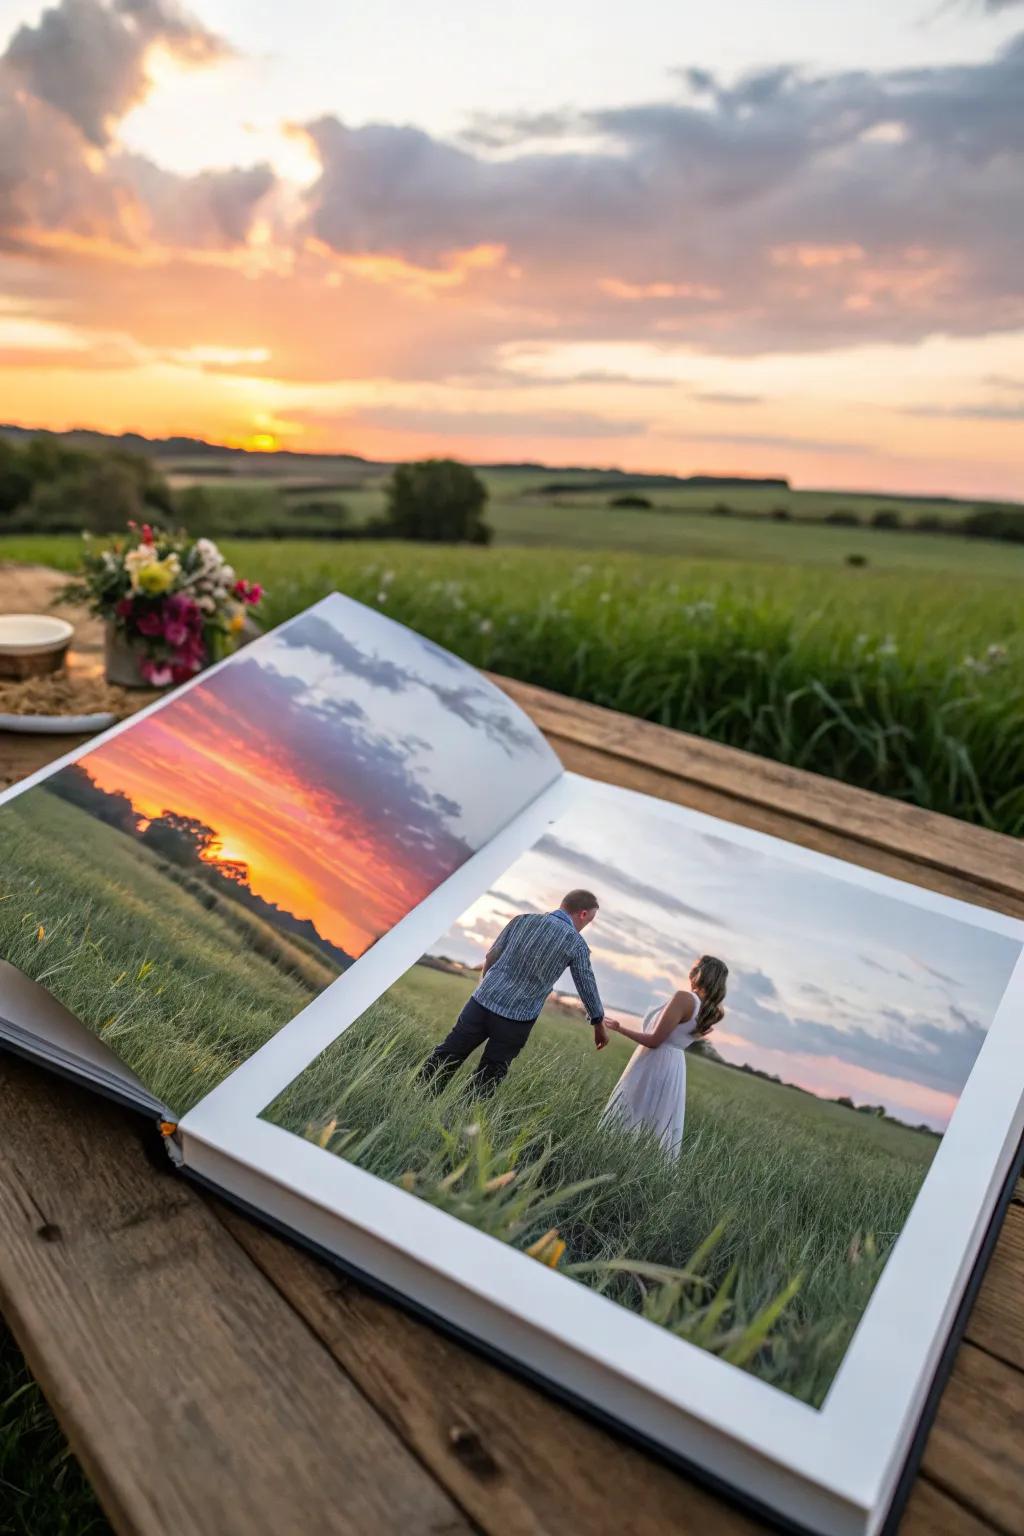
[[40, 934], [548, 1249], [157, 576], [237, 621]]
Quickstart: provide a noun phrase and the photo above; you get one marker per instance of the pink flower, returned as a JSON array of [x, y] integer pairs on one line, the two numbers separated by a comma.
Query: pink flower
[[149, 623], [147, 534], [254, 593], [175, 633], [247, 591], [123, 607], [157, 674]]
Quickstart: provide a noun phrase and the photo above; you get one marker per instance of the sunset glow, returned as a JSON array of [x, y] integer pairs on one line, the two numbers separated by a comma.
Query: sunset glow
[[772, 253]]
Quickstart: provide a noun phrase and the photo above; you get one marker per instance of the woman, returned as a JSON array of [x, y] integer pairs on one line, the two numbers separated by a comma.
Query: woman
[[651, 1093]]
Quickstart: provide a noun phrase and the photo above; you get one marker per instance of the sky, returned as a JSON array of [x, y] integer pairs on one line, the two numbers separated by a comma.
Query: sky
[[351, 764], [733, 239], [831, 986]]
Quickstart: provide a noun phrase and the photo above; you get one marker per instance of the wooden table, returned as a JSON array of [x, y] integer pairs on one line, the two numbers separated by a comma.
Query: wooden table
[[213, 1380]]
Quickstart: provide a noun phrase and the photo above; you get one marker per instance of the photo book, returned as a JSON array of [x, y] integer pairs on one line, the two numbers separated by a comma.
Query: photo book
[[705, 1132]]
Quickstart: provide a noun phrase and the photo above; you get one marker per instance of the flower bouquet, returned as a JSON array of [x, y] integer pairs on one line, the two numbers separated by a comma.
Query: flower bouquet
[[171, 603]]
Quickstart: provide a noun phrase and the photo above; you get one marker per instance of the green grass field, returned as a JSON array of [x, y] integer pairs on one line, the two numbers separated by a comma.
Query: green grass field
[[184, 993], [809, 1196], [905, 679]]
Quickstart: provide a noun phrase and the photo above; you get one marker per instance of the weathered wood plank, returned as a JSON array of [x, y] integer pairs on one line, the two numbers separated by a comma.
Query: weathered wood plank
[[975, 1451], [985, 858], [516, 1461], [932, 1512], [195, 1397], [996, 1323]]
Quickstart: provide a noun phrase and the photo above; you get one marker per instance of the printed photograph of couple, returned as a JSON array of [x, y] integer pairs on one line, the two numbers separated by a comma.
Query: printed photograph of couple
[[190, 885], [698, 1078]]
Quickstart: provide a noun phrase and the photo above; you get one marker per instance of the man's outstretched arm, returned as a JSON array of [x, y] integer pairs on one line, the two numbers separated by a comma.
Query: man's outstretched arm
[[582, 974]]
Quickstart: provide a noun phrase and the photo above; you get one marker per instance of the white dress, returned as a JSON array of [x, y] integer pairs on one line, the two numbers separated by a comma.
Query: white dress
[[651, 1093]]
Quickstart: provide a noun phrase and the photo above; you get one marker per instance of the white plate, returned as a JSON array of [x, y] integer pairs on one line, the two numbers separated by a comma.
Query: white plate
[[56, 725]]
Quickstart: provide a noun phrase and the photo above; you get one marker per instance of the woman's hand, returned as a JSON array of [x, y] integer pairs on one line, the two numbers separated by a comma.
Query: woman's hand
[[612, 1024]]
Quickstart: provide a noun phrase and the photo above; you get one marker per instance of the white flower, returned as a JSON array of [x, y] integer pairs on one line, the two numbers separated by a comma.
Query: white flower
[[136, 559], [486, 625], [207, 604], [382, 597], [387, 577], [605, 597], [208, 552]]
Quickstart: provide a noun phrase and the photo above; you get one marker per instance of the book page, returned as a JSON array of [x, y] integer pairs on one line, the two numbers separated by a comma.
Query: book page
[[733, 1154], [193, 880]]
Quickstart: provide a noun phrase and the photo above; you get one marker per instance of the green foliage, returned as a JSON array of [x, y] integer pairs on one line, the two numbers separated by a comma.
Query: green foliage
[[756, 1243], [630, 499], [907, 682], [46, 486], [439, 500], [42, 1489]]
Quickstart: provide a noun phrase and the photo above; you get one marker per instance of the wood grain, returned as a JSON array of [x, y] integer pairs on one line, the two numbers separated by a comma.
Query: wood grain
[[516, 1461], [196, 1400], [997, 1320], [975, 1451]]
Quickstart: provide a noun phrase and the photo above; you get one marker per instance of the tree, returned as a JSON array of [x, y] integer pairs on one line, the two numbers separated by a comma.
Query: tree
[[113, 806], [439, 500], [183, 839], [15, 477]]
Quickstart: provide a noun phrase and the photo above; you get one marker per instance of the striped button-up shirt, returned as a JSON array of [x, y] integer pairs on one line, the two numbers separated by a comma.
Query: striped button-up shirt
[[527, 958]]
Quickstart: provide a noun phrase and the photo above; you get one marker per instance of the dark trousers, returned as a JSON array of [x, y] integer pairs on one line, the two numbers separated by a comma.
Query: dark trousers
[[505, 1039]]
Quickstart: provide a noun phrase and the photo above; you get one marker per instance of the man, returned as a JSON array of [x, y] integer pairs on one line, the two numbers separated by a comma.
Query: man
[[519, 971]]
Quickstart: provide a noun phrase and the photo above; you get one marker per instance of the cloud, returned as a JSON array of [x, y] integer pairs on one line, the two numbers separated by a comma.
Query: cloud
[[785, 208], [615, 879], [563, 424], [727, 397], [87, 59], [64, 85], [477, 704], [777, 440], [969, 411], [936, 1051]]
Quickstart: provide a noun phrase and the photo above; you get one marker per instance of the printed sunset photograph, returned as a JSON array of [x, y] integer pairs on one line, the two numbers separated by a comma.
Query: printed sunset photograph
[[696, 1076], [189, 886]]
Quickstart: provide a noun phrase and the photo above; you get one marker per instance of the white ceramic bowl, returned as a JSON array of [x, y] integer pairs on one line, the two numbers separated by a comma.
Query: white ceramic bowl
[[32, 634]]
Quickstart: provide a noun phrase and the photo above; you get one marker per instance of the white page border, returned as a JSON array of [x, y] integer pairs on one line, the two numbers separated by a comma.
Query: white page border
[[853, 1444]]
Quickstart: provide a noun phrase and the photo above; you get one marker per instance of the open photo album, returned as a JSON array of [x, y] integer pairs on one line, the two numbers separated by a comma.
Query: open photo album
[[704, 1131]]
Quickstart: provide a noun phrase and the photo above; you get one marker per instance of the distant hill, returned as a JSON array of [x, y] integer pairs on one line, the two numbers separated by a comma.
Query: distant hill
[[197, 456], [170, 447]]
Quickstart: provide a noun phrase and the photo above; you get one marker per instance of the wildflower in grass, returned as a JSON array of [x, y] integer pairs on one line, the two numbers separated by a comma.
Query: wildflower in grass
[[548, 1249], [486, 625], [382, 596], [40, 934], [888, 647]]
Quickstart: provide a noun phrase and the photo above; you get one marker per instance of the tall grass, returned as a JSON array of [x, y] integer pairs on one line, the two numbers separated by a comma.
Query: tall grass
[[804, 1200], [903, 682], [184, 994], [922, 700]]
